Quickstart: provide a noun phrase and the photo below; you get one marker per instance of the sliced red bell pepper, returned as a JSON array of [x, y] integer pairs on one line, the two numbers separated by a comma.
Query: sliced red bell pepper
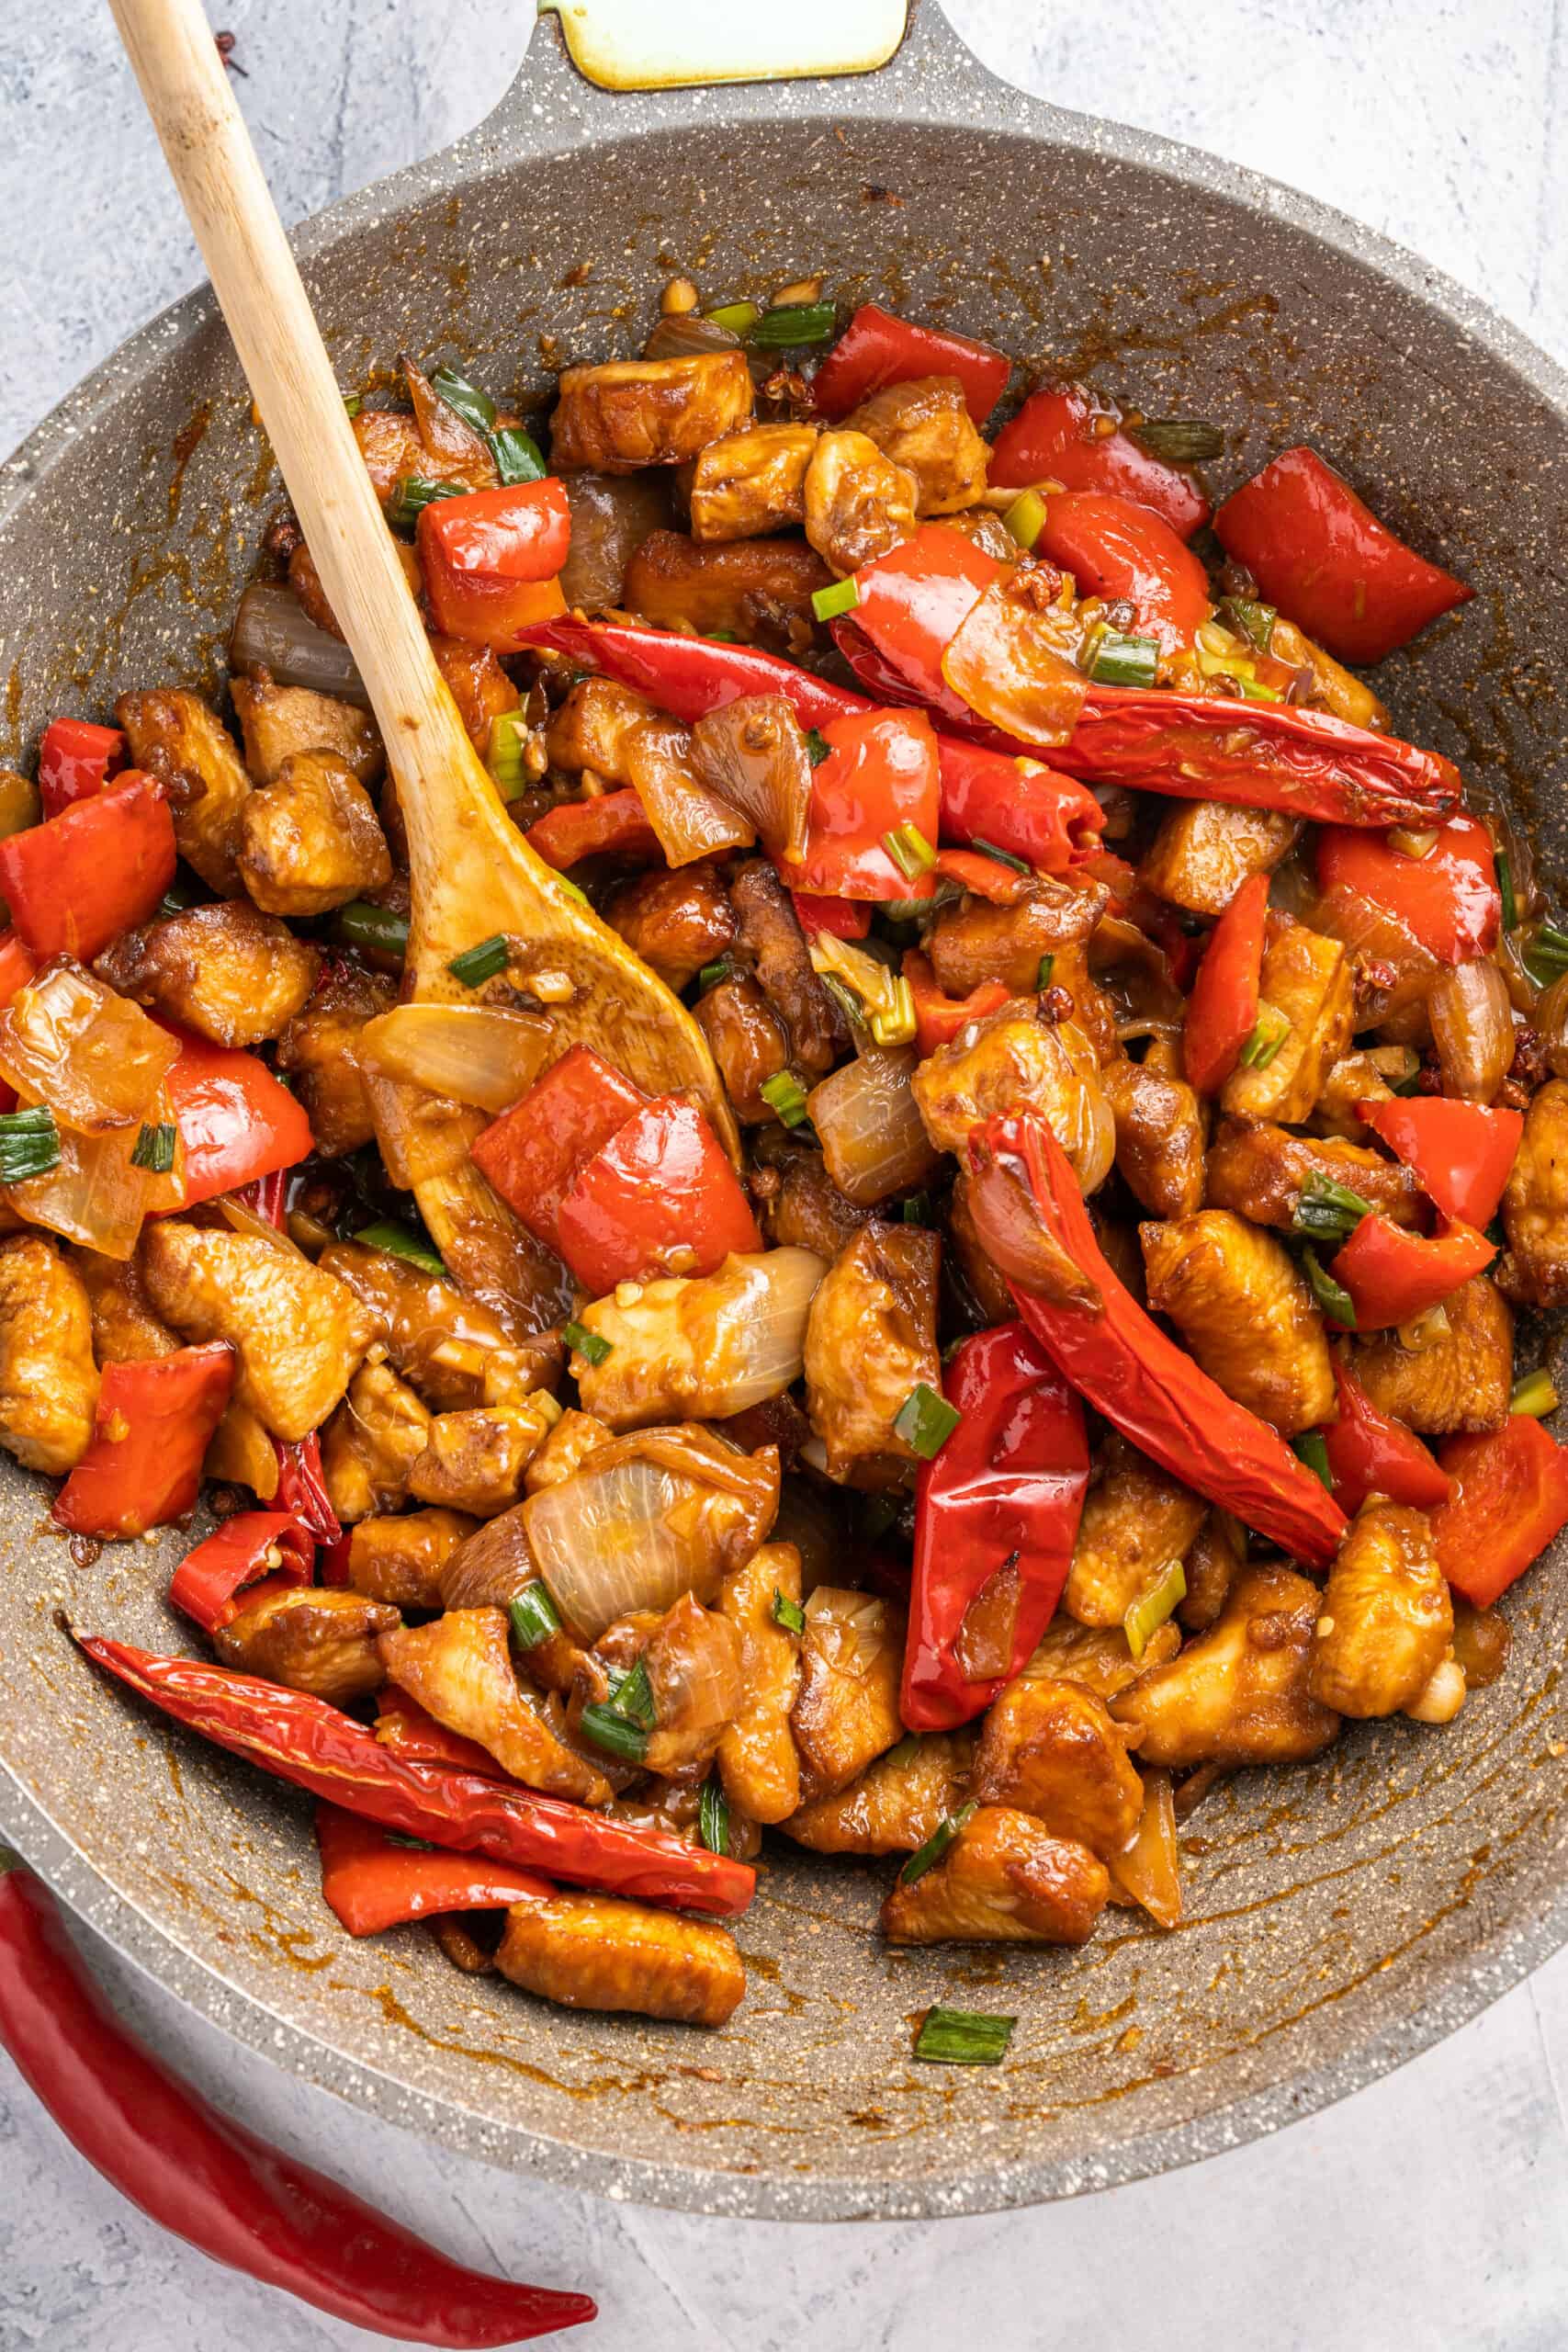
[[660, 1198], [534, 1152], [845, 918], [1369, 1454], [939, 1018], [154, 1423], [1223, 1009], [247, 1559], [302, 1487], [1006, 1492], [1038, 1230], [483, 611], [403, 1726], [880, 774], [911, 601], [236, 1121], [99, 868], [877, 349], [75, 759], [985, 877], [373, 1881], [1448, 899], [1393, 1274], [520, 531], [1119, 550], [1319, 554], [1018, 804], [1510, 1498], [1063, 433], [613, 825], [1459, 1152]]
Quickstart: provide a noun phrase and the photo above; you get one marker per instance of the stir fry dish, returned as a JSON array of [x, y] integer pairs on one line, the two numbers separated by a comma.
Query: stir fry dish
[[1092, 1373]]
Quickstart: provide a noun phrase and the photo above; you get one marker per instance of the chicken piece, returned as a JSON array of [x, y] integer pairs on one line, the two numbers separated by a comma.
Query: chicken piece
[[317, 1049], [591, 729], [751, 483], [869, 1338], [125, 1329], [974, 940], [758, 590], [859, 505], [801, 1207], [851, 1655], [477, 683], [692, 1658], [1311, 980], [1050, 1748], [179, 739], [277, 722], [449, 1348], [227, 971], [372, 1443], [749, 1044], [393, 448], [1020, 1059], [400, 1560], [684, 1348], [1097, 1656], [768, 933], [474, 1459], [757, 1757], [627, 414], [319, 1641], [306, 581], [1357, 1077], [1159, 1137], [982, 1281], [48, 1383], [1334, 688], [1136, 1520], [312, 840], [1205, 849], [299, 1334], [1239, 1693], [1534, 1271], [459, 1669], [924, 426], [1005, 1879], [1217, 1557], [1386, 1621], [1260, 1172], [1461, 1381], [592, 1951], [565, 1450], [676, 921], [242, 1453], [1237, 1299], [895, 1806]]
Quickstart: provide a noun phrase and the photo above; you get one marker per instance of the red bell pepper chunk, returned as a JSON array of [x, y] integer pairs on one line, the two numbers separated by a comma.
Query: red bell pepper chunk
[[403, 1725], [880, 773], [535, 1153], [521, 531], [1223, 1011], [373, 1881], [255, 1551], [877, 349], [613, 825], [1459, 1152], [1369, 1454], [99, 868], [939, 1018], [1004, 1494], [18, 964], [1510, 1498], [845, 918], [1058, 435], [1393, 1274], [912, 602], [236, 1121], [75, 758], [1119, 550], [660, 1198], [1448, 899], [480, 610], [154, 1423], [1320, 554]]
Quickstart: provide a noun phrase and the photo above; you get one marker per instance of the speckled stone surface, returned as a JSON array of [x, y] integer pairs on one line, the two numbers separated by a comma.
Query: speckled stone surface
[[1465, 2148]]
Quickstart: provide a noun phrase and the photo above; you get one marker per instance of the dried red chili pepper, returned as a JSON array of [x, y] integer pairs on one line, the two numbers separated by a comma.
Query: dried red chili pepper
[[151, 1429], [251, 1557], [1121, 551], [939, 1018], [302, 1487], [405, 1727], [372, 1882], [1063, 433]]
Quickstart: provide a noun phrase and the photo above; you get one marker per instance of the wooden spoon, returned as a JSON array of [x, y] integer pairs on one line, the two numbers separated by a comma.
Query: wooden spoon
[[473, 875]]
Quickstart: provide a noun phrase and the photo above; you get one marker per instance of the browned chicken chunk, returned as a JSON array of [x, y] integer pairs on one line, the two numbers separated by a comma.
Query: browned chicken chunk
[[1459, 1379], [1260, 1172], [801, 1206], [924, 426], [1005, 1879], [750, 483], [757, 1756], [180, 740], [477, 683], [48, 1383], [277, 722], [1386, 1621], [1159, 1137], [227, 971], [1239, 1693], [1235, 1295], [691, 1659], [759, 590], [851, 1655], [1205, 849], [747, 1042], [319, 1641], [1534, 1271], [1136, 1520], [400, 1560], [1216, 1559], [125, 1328], [460, 1670], [474, 1459], [591, 1951], [974, 940], [869, 1338], [677, 921], [565, 1450], [312, 840], [633, 413], [317, 1049], [1051, 1749], [1098, 1655], [297, 1333], [859, 505], [1309, 980], [895, 1806], [769, 936], [1020, 1059], [372, 1443], [444, 1344], [393, 448]]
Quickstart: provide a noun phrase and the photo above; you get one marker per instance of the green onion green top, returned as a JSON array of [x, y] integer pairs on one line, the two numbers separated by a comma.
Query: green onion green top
[[1332, 1296], [783, 1093], [379, 931], [533, 1616], [1002, 857], [1327, 1210], [477, 964], [964, 2037], [1125, 660], [842, 597], [792, 324], [414, 494], [788, 1613], [1269, 1034], [926, 1857], [1312, 1448], [925, 1422], [1253, 621], [474, 406], [155, 1148], [30, 1144], [1506, 891], [1179, 440], [734, 317], [592, 1344], [401, 1241], [817, 747], [909, 849], [517, 455], [1047, 966], [713, 1815]]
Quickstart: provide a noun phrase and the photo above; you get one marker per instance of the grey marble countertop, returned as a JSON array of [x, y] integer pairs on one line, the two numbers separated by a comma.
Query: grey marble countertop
[[1425, 2212]]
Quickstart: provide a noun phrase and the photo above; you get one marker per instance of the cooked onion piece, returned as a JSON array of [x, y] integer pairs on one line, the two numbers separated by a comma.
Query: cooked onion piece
[[1472, 1029], [873, 1137], [91, 1056], [482, 1053], [273, 632]]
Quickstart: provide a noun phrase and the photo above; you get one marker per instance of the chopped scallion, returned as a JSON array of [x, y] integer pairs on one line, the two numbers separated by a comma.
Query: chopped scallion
[[817, 747], [475, 407], [352, 404], [827, 603], [613, 1734], [788, 1613], [477, 964], [1535, 1393], [591, 1344], [1327, 1210], [905, 1752], [1025, 518], [784, 1095], [1506, 891], [917, 1208], [1002, 857], [713, 1815], [1254, 690], [1047, 966], [1125, 660], [1255, 621], [1332, 1296], [909, 849], [925, 1422], [1545, 958], [414, 494], [1312, 1448], [633, 1697], [30, 1144], [534, 1615], [517, 455], [1149, 1611], [734, 317], [399, 1242], [379, 931], [1269, 1034], [896, 1026], [926, 1857], [179, 896], [964, 2037], [505, 761], [713, 975], [1179, 440], [155, 1148], [791, 324]]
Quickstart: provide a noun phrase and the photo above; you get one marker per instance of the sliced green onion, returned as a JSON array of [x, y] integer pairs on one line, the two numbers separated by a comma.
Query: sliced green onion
[[534, 1615], [712, 976], [1332, 1296], [925, 1422], [898, 910], [964, 2037], [926, 1857], [736, 318], [399, 1242], [1255, 621], [477, 964], [179, 896], [788, 1613], [1536, 1395], [1125, 660], [592, 1344], [817, 747], [917, 1208], [848, 1005], [1002, 857], [1025, 518], [414, 494], [1149, 1611], [564, 882], [155, 1148], [843, 596], [1254, 690], [1312, 1448], [713, 1815], [1269, 1032], [475, 408], [1411, 1084], [1047, 966], [352, 404], [791, 324], [613, 1734], [505, 759], [896, 1026], [1179, 440], [905, 1752], [633, 1697], [1506, 891], [517, 455], [1545, 958], [1327, 1210], [379, 931], [30, 1144], [784, 1094], [909, 849]]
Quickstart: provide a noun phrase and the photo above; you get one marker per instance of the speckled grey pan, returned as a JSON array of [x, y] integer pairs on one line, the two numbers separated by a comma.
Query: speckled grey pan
[[1342, 1917]]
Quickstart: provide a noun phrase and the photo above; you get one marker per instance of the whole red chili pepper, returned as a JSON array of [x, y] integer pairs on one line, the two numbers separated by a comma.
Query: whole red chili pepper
[[256, 1553], [1369, 1454], [1223, 1011], [1461, 1152], [316, 1746], [153, 1424], [1033, 1219], [404, 1726], [1006, 1490], [1510, 1498], [302, 1487], [1392, 1274], [372, 1882], [197, 2172]]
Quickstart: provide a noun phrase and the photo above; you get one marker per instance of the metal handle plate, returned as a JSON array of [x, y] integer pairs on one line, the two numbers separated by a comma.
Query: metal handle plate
[[627, 45]]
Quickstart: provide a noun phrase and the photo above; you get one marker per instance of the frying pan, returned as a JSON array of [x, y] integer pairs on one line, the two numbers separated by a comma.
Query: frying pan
[[1342, 1915]]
